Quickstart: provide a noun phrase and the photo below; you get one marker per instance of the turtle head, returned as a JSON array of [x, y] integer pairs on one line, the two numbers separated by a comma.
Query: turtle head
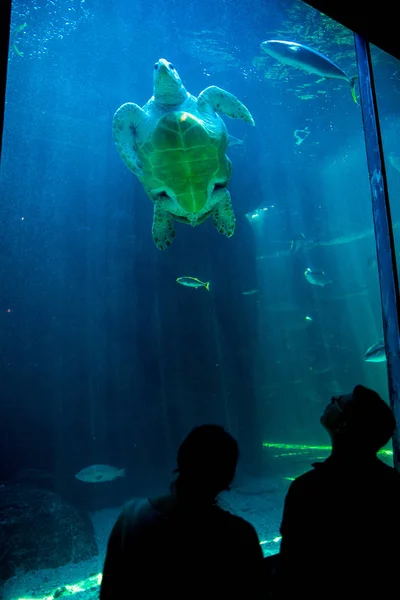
[[168, 87]]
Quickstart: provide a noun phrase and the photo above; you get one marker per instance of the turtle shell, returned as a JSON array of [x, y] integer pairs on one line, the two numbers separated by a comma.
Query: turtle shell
[[185, 156]]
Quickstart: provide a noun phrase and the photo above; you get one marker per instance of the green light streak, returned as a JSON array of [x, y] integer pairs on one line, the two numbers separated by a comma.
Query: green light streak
[[69, 590], [273, 541], [305, 448], [291, 454], [295, 446], [386, 452]]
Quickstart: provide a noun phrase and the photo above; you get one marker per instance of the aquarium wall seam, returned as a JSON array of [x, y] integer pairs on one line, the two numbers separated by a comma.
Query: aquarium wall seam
[[4, 44], [385, 245]]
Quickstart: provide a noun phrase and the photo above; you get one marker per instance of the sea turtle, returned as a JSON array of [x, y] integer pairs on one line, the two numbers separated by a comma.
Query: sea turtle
[[176, 146]]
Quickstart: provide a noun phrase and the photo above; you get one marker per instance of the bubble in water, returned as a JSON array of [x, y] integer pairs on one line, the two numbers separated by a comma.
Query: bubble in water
[[47, 22]]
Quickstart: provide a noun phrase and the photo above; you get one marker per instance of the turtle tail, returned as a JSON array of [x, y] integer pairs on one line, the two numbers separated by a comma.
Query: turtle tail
[[352, 82]]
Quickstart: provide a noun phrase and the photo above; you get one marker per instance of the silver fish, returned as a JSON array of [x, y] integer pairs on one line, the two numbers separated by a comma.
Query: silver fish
[[372, 262], [394, 160], [303, 57], [234, 141], [193, 282], [297, 243], [99, 474], [376, 353], [316, 277]]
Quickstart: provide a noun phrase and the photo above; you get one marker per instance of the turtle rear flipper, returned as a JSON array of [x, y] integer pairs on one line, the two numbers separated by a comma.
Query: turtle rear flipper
[[224, 103], [222, 215], [126, 121], [163, 228]]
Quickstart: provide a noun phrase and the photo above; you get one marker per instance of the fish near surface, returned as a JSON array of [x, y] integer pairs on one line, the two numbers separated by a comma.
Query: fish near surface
[[303, 57]]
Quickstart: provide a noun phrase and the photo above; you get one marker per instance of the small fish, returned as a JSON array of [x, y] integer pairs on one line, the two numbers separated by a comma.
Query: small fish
[[376, 353], [316, 277], [301, 135], [193, 282], [372, 262], [18, 29], [99, 473], [297, 243], [15, 47], [394, 160], [302, 57], [250, 292], [234, 141], [14, 35]]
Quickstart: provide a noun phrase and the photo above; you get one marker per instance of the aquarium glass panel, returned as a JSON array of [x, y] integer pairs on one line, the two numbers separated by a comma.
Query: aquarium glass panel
[[386, 71], [186, 238]]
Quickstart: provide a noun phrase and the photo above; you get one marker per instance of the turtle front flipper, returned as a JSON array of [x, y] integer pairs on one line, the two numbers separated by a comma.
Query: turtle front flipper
[[163, 228], [222, 215], [126, 121], [224, 103]]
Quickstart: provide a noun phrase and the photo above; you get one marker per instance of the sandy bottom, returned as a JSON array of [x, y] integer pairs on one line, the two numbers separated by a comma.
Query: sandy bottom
[[260, 501]]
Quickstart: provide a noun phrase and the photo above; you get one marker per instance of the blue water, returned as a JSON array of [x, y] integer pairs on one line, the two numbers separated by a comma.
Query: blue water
[[104, 358]]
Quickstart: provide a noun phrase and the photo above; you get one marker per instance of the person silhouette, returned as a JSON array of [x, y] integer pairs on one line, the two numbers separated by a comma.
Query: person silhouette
[[183, 544], [341, 521]]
